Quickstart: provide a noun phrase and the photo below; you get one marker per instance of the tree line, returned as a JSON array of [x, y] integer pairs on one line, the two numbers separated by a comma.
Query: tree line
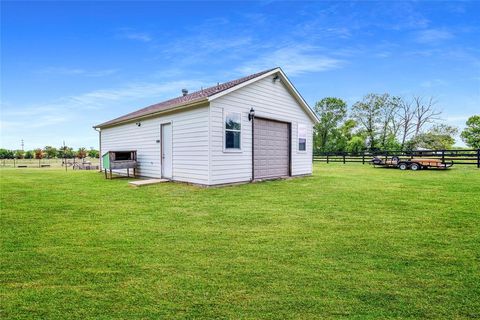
[[49, 152], [386, 122], [377, 122]]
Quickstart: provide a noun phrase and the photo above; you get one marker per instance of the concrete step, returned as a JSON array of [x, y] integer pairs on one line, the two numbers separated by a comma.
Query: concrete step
[[146, 182]]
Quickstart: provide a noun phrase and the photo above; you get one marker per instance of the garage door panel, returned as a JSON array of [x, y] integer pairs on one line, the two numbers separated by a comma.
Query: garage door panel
[[271, 153]]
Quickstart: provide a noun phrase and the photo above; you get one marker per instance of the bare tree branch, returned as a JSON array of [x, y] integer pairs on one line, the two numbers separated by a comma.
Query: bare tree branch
[[405, 114], [424, 112]]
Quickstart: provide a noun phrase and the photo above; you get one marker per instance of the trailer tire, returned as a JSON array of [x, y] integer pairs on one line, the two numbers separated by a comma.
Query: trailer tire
[[415, 166], [402, 166]]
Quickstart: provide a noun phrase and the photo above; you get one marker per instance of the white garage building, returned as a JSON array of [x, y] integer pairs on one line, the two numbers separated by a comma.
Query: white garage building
[[253, 128]]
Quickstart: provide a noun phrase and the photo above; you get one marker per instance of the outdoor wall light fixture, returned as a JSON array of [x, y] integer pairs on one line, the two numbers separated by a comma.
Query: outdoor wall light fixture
[[251, 114], [138, 124]]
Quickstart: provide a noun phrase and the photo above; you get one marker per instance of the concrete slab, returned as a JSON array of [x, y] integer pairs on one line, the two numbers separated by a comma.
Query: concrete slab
[[146, 182]]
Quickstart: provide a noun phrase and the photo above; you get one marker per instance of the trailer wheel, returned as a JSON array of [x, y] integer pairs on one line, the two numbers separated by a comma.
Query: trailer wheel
[[415, 166], [402, 166]]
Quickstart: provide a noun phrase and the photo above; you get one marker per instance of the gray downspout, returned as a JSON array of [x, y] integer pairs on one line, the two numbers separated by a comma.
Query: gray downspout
[[99, 148]]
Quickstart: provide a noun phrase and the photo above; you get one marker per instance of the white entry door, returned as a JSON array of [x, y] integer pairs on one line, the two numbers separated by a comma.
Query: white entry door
[[166, 151]]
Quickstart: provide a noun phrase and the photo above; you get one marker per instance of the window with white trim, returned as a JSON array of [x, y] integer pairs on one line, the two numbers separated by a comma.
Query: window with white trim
[[233, 130], [302, 137]]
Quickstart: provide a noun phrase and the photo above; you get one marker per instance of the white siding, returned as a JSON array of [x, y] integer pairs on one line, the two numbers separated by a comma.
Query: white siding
[[190, 144], [270, 100]]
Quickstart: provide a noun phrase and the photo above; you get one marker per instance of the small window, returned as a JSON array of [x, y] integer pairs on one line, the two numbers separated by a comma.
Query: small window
[[302, 137], [233, 130]]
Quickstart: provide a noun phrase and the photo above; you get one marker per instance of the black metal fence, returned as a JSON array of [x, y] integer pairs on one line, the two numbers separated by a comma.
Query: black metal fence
[[458, 156]]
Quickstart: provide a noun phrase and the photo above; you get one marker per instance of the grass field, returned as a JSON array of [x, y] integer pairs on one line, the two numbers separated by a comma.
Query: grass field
[[351, 241]]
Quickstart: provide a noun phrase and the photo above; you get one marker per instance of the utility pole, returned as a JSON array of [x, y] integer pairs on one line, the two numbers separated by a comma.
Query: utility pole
[[64, 155], [22, 145]]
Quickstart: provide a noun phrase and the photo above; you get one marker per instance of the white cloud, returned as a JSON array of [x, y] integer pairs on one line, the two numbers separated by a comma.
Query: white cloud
[[138, 36], [294, 60], [199, 48], [65, 108], [383, 54], [456, 119], [433, 35], [433, 83], [77, 71], [33, 120], [127, 33]]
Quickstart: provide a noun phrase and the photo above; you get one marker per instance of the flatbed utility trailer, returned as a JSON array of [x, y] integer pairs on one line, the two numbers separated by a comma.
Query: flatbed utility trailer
[[413, 164]]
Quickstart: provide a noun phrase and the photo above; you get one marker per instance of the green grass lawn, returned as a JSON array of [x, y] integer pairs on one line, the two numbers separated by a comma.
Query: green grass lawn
[[351, 241]]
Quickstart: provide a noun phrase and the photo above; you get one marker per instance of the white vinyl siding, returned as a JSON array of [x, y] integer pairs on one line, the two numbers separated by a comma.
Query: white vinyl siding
[[270, 100], [189, 139]]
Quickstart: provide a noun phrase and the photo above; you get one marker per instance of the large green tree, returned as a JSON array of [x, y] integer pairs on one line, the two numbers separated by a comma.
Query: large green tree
[[29, 154], [19, 154], [331, 111], [92, 153], [343, 136], [65, 152], [50, 152], [368, 114], [389, 126], [347, 128], [356, 144], [471, 134], [6, 154]]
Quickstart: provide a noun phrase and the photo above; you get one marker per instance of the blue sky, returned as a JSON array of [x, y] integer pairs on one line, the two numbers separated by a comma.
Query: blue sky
[[66, 66]]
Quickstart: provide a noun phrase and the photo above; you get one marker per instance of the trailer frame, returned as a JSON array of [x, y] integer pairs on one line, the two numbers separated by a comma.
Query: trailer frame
[[412, 164]]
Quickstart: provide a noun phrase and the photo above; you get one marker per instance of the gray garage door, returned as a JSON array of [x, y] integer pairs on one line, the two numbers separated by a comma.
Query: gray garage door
[[270, 146]]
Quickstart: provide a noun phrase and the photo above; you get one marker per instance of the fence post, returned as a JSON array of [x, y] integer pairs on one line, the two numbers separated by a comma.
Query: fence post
[[14, 162], [327, 157], [363, 157], [344, 158], [443, 156], [478, 158]]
